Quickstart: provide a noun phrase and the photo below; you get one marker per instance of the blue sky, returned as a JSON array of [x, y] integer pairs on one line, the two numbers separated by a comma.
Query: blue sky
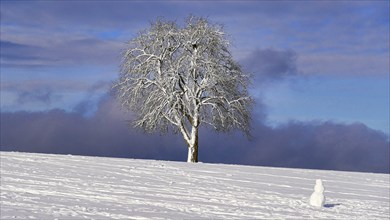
[[312, 61]]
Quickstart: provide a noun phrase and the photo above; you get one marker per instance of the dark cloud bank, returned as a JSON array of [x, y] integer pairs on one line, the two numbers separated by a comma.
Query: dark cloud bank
[[315, 145]]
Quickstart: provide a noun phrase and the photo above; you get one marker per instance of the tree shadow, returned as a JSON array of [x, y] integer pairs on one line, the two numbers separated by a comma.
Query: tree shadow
[[331, 205]]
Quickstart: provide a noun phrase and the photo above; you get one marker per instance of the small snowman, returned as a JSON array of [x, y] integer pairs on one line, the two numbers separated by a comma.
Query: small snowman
[[317, 199]]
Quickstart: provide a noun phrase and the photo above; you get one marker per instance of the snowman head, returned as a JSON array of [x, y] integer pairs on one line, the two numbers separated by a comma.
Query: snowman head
[[319, 187]]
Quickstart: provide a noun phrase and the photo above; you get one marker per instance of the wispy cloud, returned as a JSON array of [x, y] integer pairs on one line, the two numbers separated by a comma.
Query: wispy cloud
[[44, 95], [338, 64], [51, 93], [62, 52]]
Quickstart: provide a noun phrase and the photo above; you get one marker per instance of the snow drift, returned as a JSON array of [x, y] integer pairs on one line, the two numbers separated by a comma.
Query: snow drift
[[47, 186]]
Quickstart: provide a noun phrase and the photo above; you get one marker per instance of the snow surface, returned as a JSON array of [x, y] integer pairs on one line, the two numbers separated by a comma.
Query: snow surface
[[44, 186]]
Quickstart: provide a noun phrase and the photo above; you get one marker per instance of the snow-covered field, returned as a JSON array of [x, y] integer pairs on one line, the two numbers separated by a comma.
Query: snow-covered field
[[46, 186]]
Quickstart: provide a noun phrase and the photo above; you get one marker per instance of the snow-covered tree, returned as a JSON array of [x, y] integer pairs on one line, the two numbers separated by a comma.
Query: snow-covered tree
[[184, 77]]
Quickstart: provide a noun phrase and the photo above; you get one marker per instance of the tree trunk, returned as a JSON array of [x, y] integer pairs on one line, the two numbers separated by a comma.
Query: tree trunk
[[193, 154], [193, 149]]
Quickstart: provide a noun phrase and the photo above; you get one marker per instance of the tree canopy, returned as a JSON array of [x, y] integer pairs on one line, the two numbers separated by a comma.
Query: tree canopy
[[183, 77]]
